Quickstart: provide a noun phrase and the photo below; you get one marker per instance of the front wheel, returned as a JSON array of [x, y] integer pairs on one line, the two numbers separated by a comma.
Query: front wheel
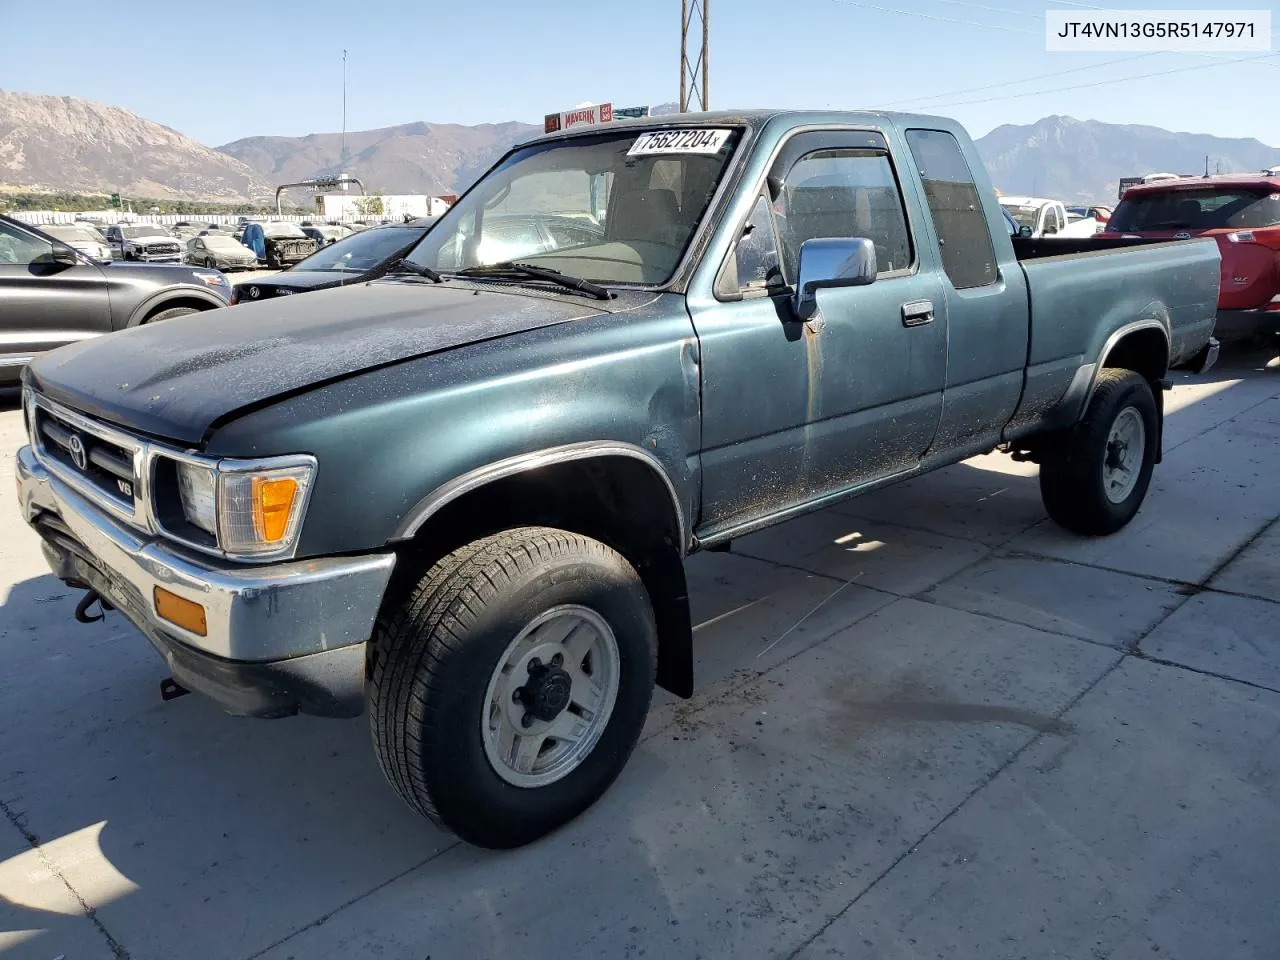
[[1094, 480], [510, 685]]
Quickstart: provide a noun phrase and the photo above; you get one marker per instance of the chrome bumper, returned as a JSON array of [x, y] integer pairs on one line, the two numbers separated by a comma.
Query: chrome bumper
[[260, 616]]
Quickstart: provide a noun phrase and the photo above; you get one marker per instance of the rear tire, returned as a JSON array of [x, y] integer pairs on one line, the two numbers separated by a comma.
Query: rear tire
[[1094, 480], [453, 671]]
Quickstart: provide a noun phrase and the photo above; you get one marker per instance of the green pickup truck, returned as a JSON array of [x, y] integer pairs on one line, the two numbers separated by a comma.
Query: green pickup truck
[[460, 497]]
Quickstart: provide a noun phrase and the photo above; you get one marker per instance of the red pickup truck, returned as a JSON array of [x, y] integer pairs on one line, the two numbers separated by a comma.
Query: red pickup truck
[[1242, 213]]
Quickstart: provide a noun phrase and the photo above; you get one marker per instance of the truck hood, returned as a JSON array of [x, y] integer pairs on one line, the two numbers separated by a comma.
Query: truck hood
[[177, 379]]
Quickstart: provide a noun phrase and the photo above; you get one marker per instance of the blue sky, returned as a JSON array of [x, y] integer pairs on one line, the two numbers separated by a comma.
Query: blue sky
[[183, 64]]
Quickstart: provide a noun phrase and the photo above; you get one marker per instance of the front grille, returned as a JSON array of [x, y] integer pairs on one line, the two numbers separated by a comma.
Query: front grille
[[161, 249], [94, 455]]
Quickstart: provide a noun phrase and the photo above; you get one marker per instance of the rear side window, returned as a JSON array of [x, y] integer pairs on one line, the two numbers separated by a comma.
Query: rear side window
[[1206, 209], [967, 254]]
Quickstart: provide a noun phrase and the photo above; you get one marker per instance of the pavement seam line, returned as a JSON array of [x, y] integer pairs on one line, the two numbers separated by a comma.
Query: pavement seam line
[[117, 949], [1130, 651], [978, 788], [320, 921]]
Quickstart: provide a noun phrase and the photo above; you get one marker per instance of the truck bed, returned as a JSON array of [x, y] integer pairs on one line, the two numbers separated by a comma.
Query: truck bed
[[1082, 292]]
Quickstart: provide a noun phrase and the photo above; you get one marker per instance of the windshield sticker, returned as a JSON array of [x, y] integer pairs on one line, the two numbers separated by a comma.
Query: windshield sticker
[[679, 141]]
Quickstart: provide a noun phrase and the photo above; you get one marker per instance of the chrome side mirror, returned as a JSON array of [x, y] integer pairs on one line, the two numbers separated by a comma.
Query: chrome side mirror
[[832, 262]]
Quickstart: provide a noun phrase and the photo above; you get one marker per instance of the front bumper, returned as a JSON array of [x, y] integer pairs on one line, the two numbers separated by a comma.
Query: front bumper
[[280, 639]]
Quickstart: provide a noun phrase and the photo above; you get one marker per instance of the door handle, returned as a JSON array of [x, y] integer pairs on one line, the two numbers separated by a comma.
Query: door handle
[[917, 313]]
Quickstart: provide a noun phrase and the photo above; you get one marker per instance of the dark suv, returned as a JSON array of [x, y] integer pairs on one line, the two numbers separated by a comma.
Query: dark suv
[[51, 295]]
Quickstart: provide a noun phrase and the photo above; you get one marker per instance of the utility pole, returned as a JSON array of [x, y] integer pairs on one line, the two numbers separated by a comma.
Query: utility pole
[[342, 161], [695, 74]]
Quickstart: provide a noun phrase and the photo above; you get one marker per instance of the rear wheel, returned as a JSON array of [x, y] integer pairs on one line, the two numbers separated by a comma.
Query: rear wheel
[[511, 684], [1094, 480]]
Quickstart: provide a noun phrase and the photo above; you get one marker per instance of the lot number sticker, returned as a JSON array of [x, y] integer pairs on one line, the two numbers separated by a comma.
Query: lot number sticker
[[679, 141]]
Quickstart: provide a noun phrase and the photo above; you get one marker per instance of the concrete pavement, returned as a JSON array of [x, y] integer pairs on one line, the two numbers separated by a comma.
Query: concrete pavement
[[929, 724]]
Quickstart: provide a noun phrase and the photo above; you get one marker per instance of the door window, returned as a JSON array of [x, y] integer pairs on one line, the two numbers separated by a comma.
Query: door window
[[843, 193], [17, 247], [756, 255], [968, 256]]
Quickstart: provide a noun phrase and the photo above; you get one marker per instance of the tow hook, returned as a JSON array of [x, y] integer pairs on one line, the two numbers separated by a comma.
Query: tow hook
[[88, 600], [170, 690]]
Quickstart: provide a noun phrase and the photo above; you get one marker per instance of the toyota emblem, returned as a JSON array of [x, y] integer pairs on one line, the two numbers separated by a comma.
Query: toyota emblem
[[1182, 236], [78, 455], [253, 292]]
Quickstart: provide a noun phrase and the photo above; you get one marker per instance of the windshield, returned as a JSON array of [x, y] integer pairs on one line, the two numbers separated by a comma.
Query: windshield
[[147, 230], [613, 207], [1023, 214], [69, 234], [360, 251], [1207, 209]]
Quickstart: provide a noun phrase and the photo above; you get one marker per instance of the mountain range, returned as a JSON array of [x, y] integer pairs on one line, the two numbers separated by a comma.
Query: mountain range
[[64, 143]]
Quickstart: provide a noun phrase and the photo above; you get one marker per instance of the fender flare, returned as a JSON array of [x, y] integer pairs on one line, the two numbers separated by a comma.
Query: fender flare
[[451, 490], [181, 292]]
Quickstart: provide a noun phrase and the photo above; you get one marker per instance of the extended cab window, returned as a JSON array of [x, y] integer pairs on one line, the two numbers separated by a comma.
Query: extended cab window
[[968, 257], [843, 193]]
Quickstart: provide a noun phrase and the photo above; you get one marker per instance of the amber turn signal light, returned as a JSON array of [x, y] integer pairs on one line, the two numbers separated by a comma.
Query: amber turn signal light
[[272, 506], [187, 614]]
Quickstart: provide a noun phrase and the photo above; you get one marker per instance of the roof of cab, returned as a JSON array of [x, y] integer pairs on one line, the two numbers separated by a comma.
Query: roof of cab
[[756, 118]]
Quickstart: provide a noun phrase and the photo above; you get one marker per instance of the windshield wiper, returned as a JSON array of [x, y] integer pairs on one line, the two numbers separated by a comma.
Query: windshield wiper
[[532, 272], [403, 267]]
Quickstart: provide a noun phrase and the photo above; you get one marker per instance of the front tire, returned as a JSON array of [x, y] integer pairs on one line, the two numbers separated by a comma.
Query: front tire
[[510, 685], [1094, 480], [170, 314]]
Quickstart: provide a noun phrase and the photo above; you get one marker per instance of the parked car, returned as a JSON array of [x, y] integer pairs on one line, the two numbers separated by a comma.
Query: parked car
[[355, 259], [1099, 214], [324, 234], [461, 496], [85, 239], [147, 242], [1242, 215], [219, 251], [51, 294]]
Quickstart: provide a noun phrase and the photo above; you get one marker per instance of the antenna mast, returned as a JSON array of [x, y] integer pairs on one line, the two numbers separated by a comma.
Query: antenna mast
[[693, 74]]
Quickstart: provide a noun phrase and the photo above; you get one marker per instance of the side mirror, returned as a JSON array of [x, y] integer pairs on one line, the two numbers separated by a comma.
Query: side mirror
[[1024, 232], [65, 256], [832, 262]]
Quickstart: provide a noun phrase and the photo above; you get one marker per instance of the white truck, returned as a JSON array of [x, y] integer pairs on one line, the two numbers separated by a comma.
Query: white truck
[[1047, 218]]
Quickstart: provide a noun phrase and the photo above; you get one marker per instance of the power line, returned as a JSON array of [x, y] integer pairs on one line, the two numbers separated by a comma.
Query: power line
[[979, 6], [1012, 83], [929, 16], [1101, 83]]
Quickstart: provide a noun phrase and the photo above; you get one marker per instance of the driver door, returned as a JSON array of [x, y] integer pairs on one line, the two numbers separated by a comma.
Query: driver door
[[797, 411], [44, 304]]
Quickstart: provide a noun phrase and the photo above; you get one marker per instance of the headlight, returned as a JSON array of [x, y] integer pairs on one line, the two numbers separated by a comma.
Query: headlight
[[198, 492], [249, 508]]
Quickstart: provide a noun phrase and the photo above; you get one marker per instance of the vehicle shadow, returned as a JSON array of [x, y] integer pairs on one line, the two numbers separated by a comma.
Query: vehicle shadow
[[10, 398]]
